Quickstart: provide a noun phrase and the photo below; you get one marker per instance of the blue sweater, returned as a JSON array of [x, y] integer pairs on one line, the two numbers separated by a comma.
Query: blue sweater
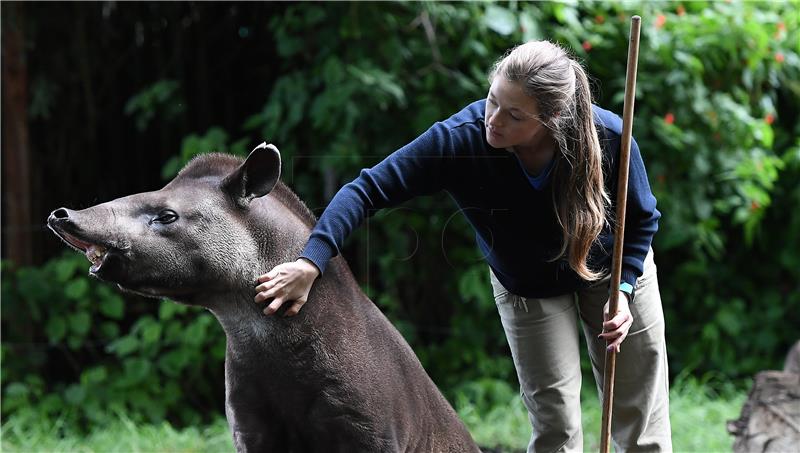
[[515, 225]]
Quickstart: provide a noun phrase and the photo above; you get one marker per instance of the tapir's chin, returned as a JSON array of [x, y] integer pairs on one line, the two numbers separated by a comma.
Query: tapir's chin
[[111, 268], [158, 293]]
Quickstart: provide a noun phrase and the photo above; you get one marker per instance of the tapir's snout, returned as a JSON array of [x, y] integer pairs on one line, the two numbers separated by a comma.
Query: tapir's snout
[[61, 222], [60, 213], [79, 231]]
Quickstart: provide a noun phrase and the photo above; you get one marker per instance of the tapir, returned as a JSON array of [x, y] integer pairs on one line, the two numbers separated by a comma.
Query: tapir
[[336, 377]]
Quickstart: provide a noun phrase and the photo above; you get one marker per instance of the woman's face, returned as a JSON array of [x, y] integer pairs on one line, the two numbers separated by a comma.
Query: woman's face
[[511, 116]]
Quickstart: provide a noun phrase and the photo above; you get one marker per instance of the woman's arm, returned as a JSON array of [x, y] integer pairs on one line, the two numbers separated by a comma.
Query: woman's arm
[[641, 219], [418, 168]]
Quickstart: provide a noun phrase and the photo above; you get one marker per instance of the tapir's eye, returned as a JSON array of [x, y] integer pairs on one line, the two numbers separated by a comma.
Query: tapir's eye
[[165, 216]]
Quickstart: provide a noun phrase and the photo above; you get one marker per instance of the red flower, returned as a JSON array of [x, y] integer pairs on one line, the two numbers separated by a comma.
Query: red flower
[[599, 19], [780, 29], [587, 46], [754, 205], [779, 57], [681, 10], [660, 20], [769, 119], [669, 118]]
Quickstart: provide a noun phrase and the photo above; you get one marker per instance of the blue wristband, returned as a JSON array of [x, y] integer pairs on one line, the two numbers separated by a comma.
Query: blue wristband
[[626, 288]]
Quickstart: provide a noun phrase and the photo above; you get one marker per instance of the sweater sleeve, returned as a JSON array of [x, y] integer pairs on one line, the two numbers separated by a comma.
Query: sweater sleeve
[[641, 219], [415, 169]]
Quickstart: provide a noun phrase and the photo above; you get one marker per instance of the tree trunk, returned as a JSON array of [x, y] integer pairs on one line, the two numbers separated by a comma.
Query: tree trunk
[[16, 154], [770, 420]]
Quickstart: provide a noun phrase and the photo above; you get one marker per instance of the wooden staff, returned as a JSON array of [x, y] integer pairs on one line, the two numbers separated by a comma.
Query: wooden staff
[[622, 198]]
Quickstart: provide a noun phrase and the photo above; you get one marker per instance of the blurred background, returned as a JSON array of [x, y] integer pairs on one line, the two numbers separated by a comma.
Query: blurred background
[[105, 99]]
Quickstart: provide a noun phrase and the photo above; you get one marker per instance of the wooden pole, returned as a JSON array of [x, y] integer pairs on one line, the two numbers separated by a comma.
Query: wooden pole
[[619, 236]]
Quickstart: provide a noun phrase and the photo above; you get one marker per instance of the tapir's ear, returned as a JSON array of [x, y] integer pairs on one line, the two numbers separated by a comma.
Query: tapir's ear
[[256, 177]]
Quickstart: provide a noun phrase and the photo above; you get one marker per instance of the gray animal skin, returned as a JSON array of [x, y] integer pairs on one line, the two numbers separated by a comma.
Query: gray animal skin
[[336, 377]]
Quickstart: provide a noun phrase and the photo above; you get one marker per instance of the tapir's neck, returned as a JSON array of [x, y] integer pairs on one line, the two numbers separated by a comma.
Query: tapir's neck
[[245, 326], [279, 233], [280, 236]]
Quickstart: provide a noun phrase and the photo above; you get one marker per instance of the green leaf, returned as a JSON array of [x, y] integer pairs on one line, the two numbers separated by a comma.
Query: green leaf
[[151, 333], [75, 394], [93, 376], [65, 268], [29, 284], [500, 19], [124, 346], [16, 390], [171, 168], [530, 27], [80, 323], [729, 322], [77, 289], [173, 362], [112, 306], [55, 328], [109, 330], [167, 309], [136, 370], [763, 132]]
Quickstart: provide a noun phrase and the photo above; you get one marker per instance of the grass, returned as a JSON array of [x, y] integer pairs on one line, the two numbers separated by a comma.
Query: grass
[[25, 435], [698, 414], [491, 410]]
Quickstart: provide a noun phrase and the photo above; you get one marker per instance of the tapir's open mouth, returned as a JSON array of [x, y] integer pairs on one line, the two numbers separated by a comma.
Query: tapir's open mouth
[[95, 253]]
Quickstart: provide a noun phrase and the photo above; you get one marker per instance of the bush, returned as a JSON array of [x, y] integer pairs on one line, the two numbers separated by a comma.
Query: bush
[[95, 352]]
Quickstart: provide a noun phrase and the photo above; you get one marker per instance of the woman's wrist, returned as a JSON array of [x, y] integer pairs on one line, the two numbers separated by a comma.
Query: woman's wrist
[[309, 267]]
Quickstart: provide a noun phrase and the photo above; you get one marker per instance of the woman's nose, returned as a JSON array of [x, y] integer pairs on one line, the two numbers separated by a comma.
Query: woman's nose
[[493, 120]]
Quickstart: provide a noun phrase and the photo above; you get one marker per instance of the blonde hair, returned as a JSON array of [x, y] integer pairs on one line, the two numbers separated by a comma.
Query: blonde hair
[[560, 87]]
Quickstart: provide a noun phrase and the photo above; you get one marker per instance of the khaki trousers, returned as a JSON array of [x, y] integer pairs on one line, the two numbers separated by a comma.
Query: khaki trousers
[[543, 336]]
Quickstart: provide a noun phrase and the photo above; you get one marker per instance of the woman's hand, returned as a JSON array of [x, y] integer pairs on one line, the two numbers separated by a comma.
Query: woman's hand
[[287, 282], [616, 329]]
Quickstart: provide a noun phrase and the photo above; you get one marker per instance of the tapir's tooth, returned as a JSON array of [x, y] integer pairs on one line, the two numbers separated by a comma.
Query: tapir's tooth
[[95, 252]]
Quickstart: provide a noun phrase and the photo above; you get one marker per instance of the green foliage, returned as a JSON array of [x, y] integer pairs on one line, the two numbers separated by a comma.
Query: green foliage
[[166, 361], [163, 97], [214, 140]]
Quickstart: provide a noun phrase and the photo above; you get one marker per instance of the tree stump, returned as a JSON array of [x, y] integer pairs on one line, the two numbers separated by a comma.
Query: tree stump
[[770, 419]]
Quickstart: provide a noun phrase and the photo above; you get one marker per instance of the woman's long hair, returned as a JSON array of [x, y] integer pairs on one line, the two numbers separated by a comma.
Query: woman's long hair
[[560, 87]]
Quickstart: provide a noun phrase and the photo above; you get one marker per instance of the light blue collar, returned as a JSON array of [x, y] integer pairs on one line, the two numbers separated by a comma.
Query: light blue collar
[[538, 182]]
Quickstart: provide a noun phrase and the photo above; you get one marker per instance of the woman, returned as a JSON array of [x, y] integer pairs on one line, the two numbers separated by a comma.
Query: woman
[[536, 165]]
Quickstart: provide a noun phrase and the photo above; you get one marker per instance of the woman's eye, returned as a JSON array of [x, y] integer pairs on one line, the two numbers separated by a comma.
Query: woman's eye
[[165, 216], [515, 118]]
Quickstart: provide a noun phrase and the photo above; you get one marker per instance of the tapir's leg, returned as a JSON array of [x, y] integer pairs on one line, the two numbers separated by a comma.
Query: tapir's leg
[[251, 433], [252, 428]]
